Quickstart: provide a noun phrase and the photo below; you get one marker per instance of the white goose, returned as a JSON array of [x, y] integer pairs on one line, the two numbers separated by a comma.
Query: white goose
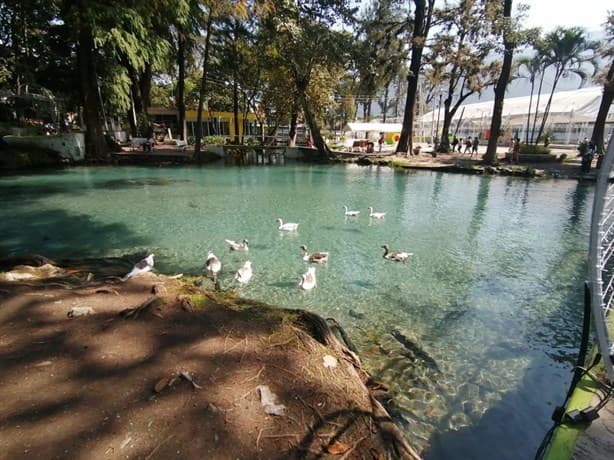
[[350, 213], [315, 257], [396, 256], [142, 266], [244, 274], [237, 246], [287, 227], [376, 215], [308, 280], [213, 264]]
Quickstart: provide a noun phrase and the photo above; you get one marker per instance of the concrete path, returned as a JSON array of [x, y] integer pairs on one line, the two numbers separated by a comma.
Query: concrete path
[[597, 441]]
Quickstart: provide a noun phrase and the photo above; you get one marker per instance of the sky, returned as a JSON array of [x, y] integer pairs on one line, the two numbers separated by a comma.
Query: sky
[[590, 14]]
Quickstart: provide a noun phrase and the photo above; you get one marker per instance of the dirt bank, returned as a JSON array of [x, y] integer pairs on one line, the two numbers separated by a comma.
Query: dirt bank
[[157, 368]]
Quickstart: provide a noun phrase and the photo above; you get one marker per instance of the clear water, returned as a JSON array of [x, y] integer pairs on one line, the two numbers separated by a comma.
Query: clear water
[[476, 335]]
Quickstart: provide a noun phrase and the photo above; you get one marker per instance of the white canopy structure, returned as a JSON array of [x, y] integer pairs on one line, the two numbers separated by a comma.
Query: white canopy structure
[[373, 127], [570, 112], [577, 105]]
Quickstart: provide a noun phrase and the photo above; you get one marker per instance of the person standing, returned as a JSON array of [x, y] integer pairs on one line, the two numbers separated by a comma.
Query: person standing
[[516, 151], [587, 152], [380, 141], [149, 134]]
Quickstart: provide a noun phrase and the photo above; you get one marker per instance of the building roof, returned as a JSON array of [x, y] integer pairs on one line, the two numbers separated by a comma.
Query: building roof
[[567, 106]]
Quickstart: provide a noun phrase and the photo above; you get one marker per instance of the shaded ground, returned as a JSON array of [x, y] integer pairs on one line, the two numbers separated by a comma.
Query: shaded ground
[[162, 369]]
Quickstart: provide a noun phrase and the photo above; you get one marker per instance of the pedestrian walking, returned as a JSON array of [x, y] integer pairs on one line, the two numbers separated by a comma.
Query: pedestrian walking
[[454, 144], [468, 144], [474, 145]]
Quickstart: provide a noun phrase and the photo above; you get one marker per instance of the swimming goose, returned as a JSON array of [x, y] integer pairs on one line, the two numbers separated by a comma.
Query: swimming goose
[[287, 227], [143, 266], [350, 213], [244, 274], [308, 280], [213, 264], [315, 257], [396, 256], [237, 246], [376, 215]]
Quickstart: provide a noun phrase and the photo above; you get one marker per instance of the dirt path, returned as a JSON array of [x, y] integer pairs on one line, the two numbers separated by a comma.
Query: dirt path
[[186, 375]]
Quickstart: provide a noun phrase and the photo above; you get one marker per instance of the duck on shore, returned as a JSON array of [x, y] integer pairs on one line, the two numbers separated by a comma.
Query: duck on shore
[[213, 264], [143, 266]]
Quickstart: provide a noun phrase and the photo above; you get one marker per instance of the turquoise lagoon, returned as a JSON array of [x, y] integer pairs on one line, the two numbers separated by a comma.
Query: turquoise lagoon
[[476, 334]]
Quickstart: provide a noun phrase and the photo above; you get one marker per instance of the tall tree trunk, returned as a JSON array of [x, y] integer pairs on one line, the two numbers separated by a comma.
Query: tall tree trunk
[[314, 128], [181, 48], [604, 107], [95, 144], [506, 69], [448, 115], [145, 86], [539, 94], [385, 107], [201, 92], [546, 114], [293, 123], [422, 22], [530, 108], [137, 101], [235, 109]]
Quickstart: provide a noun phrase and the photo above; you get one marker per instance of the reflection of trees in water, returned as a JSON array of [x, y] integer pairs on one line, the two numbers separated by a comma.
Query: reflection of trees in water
[[477, 218], [437, 188], [578, 205]]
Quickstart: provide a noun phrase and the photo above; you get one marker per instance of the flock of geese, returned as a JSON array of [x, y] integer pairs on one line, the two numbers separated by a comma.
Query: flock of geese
[[243, 275]]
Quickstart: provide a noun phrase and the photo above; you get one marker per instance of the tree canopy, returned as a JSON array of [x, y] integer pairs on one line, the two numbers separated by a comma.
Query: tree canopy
[[323, 62]]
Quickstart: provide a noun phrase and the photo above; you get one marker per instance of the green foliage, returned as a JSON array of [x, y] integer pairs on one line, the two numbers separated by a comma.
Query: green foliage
[[142, 124], [213, 140], [533, 149]]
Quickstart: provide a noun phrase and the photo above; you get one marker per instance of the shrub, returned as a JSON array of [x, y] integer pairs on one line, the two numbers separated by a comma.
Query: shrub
[[533, 149], [214, 140]]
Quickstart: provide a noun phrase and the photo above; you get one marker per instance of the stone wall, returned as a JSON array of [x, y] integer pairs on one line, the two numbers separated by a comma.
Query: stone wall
[[70, 146]]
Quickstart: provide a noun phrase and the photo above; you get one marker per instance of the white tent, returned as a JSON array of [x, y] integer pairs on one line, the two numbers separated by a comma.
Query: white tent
[[373, 127], [567, 106], [571, 115]]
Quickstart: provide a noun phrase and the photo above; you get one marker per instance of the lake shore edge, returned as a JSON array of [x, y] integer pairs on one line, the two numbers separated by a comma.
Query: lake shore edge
[[157, 365]]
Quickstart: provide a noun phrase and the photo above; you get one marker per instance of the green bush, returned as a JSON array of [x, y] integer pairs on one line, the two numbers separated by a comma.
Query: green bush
[[533, 149], [213, 140]]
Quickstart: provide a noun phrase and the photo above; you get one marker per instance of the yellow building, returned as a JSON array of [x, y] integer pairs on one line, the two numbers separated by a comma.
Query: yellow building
[[213, 123]]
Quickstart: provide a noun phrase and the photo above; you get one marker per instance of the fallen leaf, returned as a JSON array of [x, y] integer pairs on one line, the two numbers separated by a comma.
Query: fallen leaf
[[337, 448], [162, 384]]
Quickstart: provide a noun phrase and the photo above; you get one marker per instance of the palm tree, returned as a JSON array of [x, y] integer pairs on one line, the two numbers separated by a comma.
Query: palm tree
[[533, 68], [569, 52]]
